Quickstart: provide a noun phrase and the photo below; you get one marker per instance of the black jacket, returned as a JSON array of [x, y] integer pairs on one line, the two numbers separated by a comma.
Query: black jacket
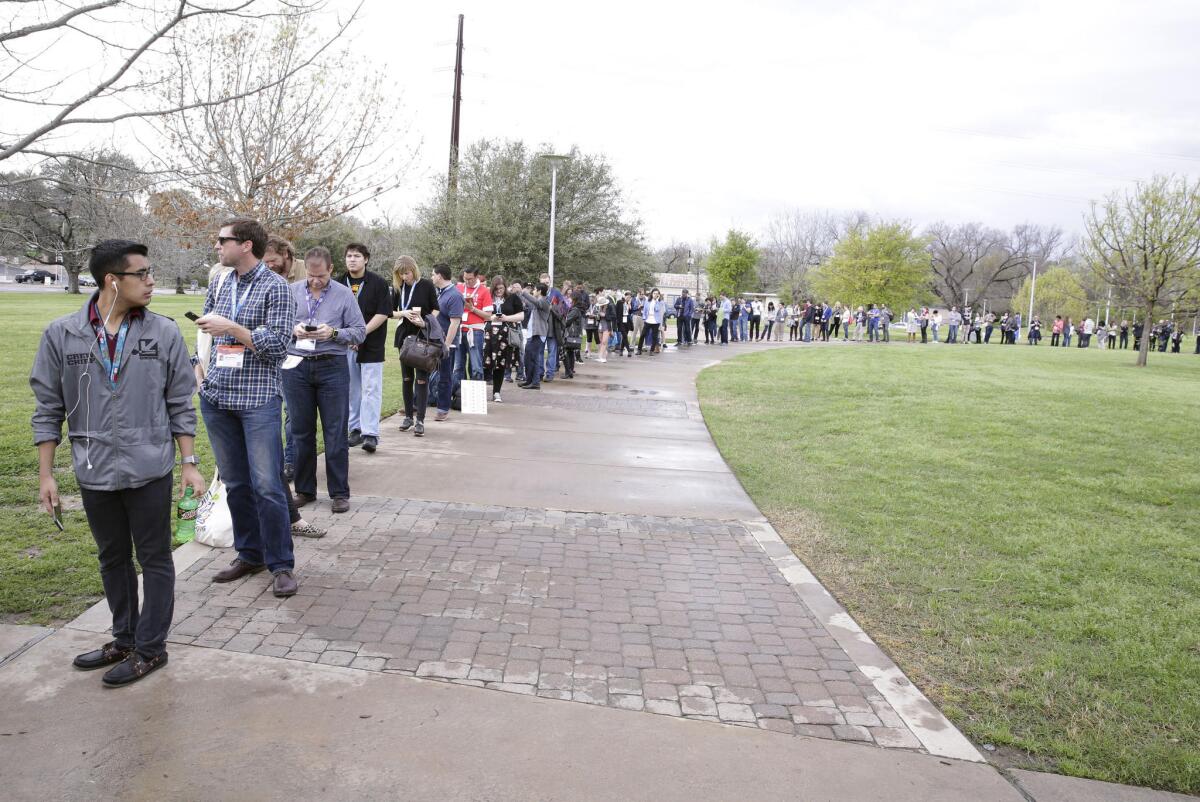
[[424, 295]]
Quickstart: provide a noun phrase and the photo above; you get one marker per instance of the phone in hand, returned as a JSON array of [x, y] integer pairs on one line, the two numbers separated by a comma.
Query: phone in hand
[[192, 316], [58, 521], [310, 328]]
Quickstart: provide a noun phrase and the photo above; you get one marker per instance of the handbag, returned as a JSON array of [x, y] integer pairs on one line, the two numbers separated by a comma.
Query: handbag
[[214, 522], [514, 337], [420, 353]]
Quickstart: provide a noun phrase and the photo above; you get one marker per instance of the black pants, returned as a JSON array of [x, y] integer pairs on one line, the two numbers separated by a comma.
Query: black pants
[[568, 355], [755, 326], [122, 522], [416, 400], [925, 333], [1112, 341], [770, 327], [837, 324], [710, 331], [1054, 338], [695, 327]]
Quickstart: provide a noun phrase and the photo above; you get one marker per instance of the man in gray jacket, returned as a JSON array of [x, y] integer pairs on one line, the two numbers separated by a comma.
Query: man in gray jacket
[[120, 376]]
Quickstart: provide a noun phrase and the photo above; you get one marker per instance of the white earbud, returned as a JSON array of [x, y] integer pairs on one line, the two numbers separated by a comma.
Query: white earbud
[[87, 415]]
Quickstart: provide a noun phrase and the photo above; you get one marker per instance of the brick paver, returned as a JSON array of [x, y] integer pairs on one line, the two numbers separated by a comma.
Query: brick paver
[[674, 616]]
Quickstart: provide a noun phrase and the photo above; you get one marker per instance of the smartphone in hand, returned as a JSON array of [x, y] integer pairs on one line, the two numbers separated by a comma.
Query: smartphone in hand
[[58, 521], [192, 316]]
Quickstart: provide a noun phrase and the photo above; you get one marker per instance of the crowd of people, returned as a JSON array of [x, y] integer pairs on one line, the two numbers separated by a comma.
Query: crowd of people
[[278, 352]]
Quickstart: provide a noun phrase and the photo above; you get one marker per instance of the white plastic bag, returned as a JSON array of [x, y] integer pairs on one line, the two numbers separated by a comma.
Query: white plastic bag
[[214, 522]]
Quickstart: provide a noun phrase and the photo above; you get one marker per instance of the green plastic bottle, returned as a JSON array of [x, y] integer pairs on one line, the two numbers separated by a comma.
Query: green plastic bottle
[[185, 517]]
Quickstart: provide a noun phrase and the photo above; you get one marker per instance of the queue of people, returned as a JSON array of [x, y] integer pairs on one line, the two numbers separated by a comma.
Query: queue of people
[[279, 352]]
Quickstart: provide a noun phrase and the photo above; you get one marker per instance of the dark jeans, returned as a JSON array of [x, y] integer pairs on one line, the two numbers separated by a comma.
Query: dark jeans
[[755, 327], [650, 332], [1124, 339], [124, 521], [724, 332], [568, 355], [695, 328], [683, 330], [987, 334], [446, 380], [474, 352], [533, 360], [710, 331], [320, 386], [250, 459], [1054, 338], [415, 385]]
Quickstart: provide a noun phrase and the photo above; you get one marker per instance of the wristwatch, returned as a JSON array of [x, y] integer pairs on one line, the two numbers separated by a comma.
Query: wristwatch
[[192, 460], [334, 335]]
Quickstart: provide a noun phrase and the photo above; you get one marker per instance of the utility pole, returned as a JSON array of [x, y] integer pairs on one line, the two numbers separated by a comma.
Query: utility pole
[[452, 180]]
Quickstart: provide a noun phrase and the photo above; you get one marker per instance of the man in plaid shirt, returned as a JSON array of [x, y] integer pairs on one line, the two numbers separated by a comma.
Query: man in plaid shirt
[[250, 316]]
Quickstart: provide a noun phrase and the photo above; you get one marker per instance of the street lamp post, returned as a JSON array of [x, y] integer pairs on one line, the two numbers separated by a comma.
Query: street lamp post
[[555, 160], [1032, 290], [692, 263]]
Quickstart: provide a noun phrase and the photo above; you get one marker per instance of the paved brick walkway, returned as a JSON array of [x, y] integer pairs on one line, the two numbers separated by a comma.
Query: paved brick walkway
[[675, 616]]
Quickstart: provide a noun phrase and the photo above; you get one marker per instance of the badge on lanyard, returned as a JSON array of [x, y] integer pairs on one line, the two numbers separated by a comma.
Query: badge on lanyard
[[231, 356]]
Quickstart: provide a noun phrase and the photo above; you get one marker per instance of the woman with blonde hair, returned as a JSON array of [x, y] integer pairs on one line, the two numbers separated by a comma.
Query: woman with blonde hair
[[413, 298]]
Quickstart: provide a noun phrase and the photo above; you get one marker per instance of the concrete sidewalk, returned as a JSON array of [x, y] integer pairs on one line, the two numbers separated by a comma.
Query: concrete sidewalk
[[508, 603]]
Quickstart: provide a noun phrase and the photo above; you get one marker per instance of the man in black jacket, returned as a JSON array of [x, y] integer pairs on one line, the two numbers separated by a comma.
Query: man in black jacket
[[374, 298]]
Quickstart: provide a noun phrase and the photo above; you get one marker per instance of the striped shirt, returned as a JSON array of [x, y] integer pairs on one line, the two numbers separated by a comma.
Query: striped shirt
[[266, 308]]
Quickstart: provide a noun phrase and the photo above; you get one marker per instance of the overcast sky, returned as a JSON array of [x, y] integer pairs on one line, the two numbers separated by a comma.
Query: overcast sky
[[718, 116]]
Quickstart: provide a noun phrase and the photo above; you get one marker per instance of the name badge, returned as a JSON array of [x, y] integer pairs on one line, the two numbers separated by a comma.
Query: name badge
[[306, 345], [230, 356]]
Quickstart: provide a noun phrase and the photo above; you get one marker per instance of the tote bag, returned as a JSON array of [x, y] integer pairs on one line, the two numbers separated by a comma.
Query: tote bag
[[214, 522]]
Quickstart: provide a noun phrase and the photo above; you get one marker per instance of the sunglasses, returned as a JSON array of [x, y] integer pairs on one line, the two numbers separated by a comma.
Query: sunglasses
[[223, 240]]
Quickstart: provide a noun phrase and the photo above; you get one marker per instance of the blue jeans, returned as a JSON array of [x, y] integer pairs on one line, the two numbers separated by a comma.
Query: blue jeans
[[807, 331], [289, 448], [320, 386], [474, 340], [366, 394], [533, 360], [551, 357], [445, 380], [953, 338], [250, 459]]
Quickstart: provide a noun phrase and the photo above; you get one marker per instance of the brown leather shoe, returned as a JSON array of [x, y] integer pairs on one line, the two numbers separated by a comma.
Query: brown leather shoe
[[236, 570], [304, 498], [341, 505], [132, 669], [285, 584]]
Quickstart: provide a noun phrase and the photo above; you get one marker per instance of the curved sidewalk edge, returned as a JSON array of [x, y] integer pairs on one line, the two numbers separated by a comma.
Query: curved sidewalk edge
[[935, 732]]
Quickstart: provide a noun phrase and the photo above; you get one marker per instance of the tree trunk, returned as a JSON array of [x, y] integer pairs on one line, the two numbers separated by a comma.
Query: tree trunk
[[1144, 345], [73, 280], [179, 285]]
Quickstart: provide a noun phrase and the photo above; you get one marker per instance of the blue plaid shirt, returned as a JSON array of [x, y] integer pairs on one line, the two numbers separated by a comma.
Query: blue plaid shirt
[[266, 308]]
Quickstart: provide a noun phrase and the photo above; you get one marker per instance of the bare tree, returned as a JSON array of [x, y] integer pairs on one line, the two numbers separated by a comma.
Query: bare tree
[[972, 262], [305, 150], [1146, 244], [123, 43], [54, 216], [796, 242]]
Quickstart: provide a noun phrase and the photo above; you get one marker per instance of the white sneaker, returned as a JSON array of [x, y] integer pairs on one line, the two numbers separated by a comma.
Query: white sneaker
[[496, 398], [602, 359]]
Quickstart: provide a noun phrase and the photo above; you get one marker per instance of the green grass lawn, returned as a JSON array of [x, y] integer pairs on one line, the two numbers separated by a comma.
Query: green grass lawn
[[1018, 527], [47, 576]]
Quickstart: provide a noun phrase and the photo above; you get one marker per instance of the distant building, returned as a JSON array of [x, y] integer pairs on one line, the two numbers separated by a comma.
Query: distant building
[[671, 285]]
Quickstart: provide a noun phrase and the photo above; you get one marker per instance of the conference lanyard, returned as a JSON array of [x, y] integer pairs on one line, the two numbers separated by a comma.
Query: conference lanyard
[[405, 299], [235, 304], [312, 309], [112, 367]]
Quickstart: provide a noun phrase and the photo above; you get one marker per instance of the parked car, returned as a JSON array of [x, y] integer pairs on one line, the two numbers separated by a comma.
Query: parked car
[[86, 280], [35, 277]]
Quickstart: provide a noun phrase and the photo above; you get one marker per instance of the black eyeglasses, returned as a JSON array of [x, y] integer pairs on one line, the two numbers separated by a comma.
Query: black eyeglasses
[[144, 274], [223, 240]]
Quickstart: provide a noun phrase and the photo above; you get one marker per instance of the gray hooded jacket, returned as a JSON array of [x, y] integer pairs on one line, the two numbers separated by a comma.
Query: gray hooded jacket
[[124, 433]]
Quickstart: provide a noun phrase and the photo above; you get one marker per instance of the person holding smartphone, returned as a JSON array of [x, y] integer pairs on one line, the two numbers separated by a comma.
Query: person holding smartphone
[[120, 377]]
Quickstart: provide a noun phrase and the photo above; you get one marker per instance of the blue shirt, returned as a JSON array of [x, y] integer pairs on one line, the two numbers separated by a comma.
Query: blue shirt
[[337, 308], [450, 306], [265, 307]]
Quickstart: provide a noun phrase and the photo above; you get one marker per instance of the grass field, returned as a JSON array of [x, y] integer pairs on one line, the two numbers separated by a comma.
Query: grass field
[[48, 577], [1019, 528]]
